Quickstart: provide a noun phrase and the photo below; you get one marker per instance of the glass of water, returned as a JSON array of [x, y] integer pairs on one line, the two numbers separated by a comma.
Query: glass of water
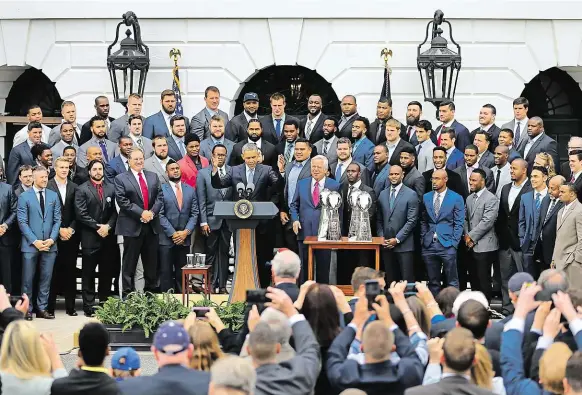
[[202, 260], [190, 260]]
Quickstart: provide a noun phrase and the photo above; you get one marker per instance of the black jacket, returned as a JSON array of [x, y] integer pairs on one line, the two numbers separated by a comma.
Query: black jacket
[[83, 382], [91, 211]]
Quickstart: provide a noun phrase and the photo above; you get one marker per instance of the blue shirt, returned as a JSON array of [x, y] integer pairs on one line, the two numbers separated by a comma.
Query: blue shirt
[[293, 178]]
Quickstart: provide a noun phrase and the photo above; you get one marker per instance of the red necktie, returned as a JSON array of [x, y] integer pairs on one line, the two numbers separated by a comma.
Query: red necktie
[[316, 194], [144, 191], [439, 137]]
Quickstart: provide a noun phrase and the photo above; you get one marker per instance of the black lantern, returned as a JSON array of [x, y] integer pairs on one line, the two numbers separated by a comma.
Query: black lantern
[[128, 66], [439, 66]]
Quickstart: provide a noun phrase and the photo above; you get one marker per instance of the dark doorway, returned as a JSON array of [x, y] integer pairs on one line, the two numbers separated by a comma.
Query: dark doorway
[[555, 97], [297, 83], [32, 87]]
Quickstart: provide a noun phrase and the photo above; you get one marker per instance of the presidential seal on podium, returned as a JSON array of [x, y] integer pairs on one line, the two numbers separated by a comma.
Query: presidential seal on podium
[[243, 209]]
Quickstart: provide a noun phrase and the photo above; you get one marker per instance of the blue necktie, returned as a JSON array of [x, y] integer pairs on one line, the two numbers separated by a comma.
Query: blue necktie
[[104, 150], [538, 203], [392, 197], [278, 127], [338, 172]]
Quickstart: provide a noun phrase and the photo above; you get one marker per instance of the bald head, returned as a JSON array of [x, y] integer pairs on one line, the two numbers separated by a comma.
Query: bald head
[[439, 180], [502, 149], [94, 153], [440, 173]]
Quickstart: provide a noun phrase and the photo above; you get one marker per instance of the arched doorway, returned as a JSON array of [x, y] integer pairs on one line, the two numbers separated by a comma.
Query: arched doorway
[[32, 87], [555, 97], [297, 83]]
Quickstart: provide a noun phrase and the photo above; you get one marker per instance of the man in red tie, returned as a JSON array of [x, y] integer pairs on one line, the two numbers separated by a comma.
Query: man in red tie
[[139, 196]]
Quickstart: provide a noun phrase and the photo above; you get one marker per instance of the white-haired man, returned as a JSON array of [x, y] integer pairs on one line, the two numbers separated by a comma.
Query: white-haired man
[[285, 269], [232, 375], [280, 325]]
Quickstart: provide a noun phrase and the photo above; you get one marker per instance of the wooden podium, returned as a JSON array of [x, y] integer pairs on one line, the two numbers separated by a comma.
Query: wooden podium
[[246, 274]]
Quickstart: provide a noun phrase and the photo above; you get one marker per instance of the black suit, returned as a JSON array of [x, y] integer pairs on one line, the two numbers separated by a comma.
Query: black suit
[[346, 129], [267, 149], [493, 131], [454, 183], [449, 385], [395, 157], [65, 268], [91, 211], [548, 225], [379, 136], [290, 289], [8, 206], [236, 129], [269, 132], [316, 129], [80, 175], [280, 149], [81, 382], [86, 134]]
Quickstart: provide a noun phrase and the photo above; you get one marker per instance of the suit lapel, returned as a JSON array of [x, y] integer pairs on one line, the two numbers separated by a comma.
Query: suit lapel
[[163, 122], [430, 206], [533, 146], [170, 191], [395, 200], [135, 185], [306, 170], [256, 176], [96, 194]]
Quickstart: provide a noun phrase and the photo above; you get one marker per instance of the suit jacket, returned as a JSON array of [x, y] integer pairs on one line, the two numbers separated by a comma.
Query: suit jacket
[[34, 225], [155, 125], [415, 181], [113, 168], [424, 156], [448, 225], [373, 378], [568, 249], [529, 222], [118, 128], [189, 169], [304, 173], [80, 382], [454, 183], [200, 123], [449, 385], [507, 225], [303, 210], [60, 146], [267, 149], [8, 207], [548, 227], [316, 129], [523, 137], [55, 135], [331, 154], [364, 153], [346, 130], [364, 174], [462, 135], [19, 155], [22, 135], [346, 208], [207, 145], [489, 179], [487, 160], [400, 220], [543, 144], [82, 154], [455, 159], [514, 154], [86, 134], [236, 129], [378, 136], [68, 219], [146, 146], [267, 182], [395, 158], [207, 197], [493, 131], [480, 217], [380, 180], [504, 178], [296, 376], [280, 149], [169, 380], [91, 211], [174, 218], [131, 205], [153, 164], [173, 150], [269, 132]]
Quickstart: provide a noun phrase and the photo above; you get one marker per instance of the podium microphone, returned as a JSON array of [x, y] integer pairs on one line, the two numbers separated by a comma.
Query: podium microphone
[[250, 189], [240, 187]]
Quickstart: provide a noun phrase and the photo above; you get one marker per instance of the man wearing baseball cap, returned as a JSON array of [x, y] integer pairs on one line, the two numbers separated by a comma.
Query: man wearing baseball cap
[[236, 129], [125, 363], [172, 350]]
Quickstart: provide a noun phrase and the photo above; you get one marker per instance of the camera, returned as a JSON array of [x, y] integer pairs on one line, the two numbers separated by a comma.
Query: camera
[[410, 289], [372, 291], [257, 297], [200, 311], [15, 299]]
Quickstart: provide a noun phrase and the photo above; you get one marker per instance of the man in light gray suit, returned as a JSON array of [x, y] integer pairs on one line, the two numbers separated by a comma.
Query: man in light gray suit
[[519, 123], [200, 123], [66, 139], [136, 123], [568, 249], [481, 209], [327, 146], [107, 147], [217, 129], [424, 147], [69, 113], [158, 161], [158, 124], [120, 126]]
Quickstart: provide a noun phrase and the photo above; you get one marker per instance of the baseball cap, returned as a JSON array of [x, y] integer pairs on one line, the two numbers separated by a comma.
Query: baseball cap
[[125, 358], [171, 338], [518, 279], [250, 96]]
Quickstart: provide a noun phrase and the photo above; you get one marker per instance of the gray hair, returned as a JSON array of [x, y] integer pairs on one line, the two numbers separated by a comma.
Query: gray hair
[[286, 264], [324, 159], [249, 147], [548, 280], [262, 344], [279, 323], [232, 372]]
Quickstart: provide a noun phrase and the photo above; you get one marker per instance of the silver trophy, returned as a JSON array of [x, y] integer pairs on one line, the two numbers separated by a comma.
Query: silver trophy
[[324, 217], [364, 202], [355, 217], [334, 231]]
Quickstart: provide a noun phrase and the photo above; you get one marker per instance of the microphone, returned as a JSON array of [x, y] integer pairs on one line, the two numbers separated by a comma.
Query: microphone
[[250, 189], [240, 187]]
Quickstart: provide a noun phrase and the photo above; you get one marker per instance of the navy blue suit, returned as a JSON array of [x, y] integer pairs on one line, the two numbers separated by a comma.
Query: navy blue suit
[[529, 229], [380, 180], [19, 155], [172, 219], [364, 153], [462, 135], [440, 236], [455, 159], [155, 125], [113, 168], [303, 210]]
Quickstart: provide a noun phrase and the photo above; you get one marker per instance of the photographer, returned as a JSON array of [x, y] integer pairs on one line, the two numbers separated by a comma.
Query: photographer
[[9, 313]]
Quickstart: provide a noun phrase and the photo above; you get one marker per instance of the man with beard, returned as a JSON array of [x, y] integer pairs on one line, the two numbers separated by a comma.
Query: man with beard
[[312, 126], [217, 128], [487, 125], [69, 114], [158, 124], [272, 125], [43, 156], [236, 129], [119, 164], [97, 216], [176, 144], [255, 136], [120, 127], [327, 146], [362, 149], [158, 161], [412, 178], [471, 163], [439, 158], [377, 130], [381, 168], [192, 163], [102, 111], [413, 114], [349, 114], [344, 158], [67, 134], [136, 123], [98, 140]]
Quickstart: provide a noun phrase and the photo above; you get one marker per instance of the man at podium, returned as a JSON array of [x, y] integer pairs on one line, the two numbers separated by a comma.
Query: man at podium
[[258, 183]]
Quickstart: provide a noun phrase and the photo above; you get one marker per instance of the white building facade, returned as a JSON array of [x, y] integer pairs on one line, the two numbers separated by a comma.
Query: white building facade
[[505, 44]]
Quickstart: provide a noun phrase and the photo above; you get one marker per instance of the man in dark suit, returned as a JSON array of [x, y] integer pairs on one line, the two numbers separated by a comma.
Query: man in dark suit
[[26, 180], [272, 125], [312, 126], [344, 155], [575, 166], [305, 210], [507, 227], [439, 158], [362, 147], [158, 124], [255, 136], [574, 144], [441, 229], [381, 168], [327, 146], [447, 117], [96, 216], [538, 142], [64, 271], [119, 164], [77, 174], [551, 204], [139, 196], [413, 179], [215, 229], [286, 147], [394, 142], [236, 129], [483, 142], [349, 108], [102, 111], [178, 218], [397, 215], [377, 130], [466, 169], [506, 139], [176, 144], [487, 124], [20, 155], [267, 185], [8, 204], [454, 155]]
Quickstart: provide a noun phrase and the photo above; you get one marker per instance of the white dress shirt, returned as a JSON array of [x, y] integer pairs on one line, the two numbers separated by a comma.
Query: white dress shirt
[[513, 192], [134, 138], [478, 194], [469, 172], [391, 147], [504, 177], [135, 174], [248, 117], [567, 208], [22, 135], [530, 144], [396, 188], [162, 162], [576, 175], [445, 125], [312, 123], [167, 118], [440, 196], [321, 185], [175, 188], [36, 193], [62, 189], [258, 143], [542, 193]]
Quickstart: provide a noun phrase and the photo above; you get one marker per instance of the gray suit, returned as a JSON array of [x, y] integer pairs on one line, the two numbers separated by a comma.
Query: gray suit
[[415, 181], [82, 154], [200, 123], [60, 146], [331, 151], [206, 146], [55, 135], [146, 147], [487, 160], [568, 249], [424, 156], [118, 128], [448, 385], [153, 164], [489, 181], [208, 196], [523, 137], [544, 143]]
